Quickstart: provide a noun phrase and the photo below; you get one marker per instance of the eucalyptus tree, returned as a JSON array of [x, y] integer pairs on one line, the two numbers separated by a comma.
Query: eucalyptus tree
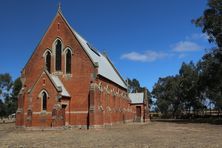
[[210, 65]]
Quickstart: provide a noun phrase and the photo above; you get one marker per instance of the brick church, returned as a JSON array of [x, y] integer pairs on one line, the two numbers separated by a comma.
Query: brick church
[[68, 82]]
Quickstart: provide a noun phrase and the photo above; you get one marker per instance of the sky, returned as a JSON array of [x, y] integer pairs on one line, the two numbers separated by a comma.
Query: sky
[[145, 39]]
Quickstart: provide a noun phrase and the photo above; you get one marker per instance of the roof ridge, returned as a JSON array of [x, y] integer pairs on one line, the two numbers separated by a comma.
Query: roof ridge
[[41, 39], [105, 56], [76, 35], [114, 76]]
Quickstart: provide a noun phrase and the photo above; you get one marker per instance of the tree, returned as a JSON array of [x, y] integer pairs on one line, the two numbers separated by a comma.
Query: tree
[[149, 97], [211, 77], [5, 84], [2, 109], [179, 93], [11, 102], [167, 94], [211, 21], [5, 87], [210, 65], [195, 83], [9, 91], [134, 86], [189, 86]]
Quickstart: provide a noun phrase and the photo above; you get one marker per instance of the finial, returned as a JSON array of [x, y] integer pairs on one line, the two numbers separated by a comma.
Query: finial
[[104, 53], [59, 7]]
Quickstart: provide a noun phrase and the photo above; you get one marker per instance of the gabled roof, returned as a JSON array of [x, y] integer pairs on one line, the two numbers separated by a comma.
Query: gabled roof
[[60, 85], [136, 97], [56, 83], [105, 66]]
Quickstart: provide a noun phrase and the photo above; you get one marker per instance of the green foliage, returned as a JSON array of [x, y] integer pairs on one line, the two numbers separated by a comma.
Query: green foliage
[[149, 96], [177, 94], [16, 87], [211, 21], [210, 67], [196, 83], [11, 102], [166, 91], [134, 86], [5, 87], [9, 91], [211, 77], [2, 109], [189, 85], [5, 84]]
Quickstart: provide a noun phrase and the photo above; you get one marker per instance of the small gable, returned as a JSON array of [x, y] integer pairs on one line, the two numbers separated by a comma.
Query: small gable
[[47, 81], [136, 97]]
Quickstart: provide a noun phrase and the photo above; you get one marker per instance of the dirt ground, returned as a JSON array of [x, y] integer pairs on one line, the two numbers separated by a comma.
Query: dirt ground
[[153, 134]]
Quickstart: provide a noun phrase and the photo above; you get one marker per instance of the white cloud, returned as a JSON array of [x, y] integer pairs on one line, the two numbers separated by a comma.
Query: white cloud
[[179, 49], [184, 46], [147, 56], [182, 55], [197, 36]]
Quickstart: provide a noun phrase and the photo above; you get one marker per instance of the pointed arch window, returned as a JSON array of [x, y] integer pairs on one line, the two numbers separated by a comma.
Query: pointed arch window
[[48, 61], [68, 61], [44, 100], [58, 55]]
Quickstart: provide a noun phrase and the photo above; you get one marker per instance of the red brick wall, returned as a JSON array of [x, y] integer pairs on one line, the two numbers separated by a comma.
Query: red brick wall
[[109, 102], [144, 111], [77, 84], [36, 100]]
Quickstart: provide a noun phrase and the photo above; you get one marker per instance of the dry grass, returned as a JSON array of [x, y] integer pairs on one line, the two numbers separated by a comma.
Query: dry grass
[[154, 134]]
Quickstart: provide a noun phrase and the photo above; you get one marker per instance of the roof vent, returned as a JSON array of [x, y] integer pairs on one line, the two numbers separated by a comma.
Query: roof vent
[[93, 49], [59, 88]]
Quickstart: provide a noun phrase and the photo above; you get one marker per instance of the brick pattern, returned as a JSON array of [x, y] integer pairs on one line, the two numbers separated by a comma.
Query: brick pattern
[[93, 101]]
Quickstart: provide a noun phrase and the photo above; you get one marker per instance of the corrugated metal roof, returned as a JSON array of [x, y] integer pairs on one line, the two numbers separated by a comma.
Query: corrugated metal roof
[[106, 68], [136, 97], [59, 84]]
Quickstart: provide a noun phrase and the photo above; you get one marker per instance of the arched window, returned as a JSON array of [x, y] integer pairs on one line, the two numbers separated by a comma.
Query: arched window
[[58, 55], [44, 101], [68, 61], [48, 61]]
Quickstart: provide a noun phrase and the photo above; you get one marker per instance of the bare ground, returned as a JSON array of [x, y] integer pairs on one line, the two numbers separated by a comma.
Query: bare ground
[[153, 134]]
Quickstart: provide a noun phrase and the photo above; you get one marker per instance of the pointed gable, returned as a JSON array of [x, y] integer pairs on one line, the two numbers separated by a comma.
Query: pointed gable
[[136, 97], [105, 66], [56, 82]]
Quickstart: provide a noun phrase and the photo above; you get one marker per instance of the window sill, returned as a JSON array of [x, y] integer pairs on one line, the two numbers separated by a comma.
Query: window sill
[[43, 112], [58, 73], [67, 76]]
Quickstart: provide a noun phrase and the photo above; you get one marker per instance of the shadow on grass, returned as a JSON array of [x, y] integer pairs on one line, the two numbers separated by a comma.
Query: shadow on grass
[[186, 121]]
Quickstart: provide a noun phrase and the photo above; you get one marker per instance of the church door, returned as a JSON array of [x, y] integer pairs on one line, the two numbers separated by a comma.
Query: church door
[[138, 113], [63, 114]]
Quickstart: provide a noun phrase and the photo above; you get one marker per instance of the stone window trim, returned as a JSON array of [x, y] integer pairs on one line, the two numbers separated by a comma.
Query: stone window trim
[[66, 49], [57, 72], [65, 54], [41, 99], [48, 51]]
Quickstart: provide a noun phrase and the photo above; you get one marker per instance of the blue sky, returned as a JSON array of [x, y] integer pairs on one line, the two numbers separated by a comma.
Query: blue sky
[[145, 39]]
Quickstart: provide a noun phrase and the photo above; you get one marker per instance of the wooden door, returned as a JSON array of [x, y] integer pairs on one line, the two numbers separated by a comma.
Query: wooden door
[[63, 114], [138, 113]]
